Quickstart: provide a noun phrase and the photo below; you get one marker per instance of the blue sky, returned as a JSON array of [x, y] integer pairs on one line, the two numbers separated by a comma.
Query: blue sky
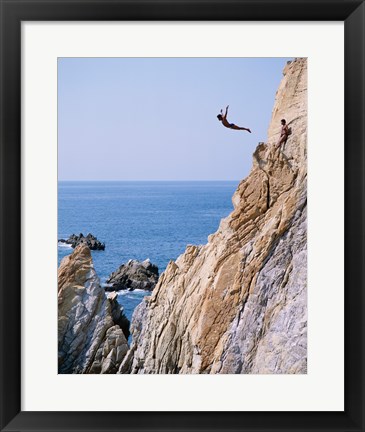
[[155, 118]]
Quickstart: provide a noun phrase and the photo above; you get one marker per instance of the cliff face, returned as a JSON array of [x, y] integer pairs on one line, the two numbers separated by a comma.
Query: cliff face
[[238, 304], [89, 341]]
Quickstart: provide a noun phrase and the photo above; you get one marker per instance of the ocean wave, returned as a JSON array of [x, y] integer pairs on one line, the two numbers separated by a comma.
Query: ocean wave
[[64, 245], [136, 291]]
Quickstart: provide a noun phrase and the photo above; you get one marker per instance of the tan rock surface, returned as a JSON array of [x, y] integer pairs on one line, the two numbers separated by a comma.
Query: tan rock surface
[[238, 304], [88, 339]]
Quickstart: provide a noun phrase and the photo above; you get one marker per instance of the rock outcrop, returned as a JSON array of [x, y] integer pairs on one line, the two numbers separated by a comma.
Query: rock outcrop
[[89, 339], [91, 241], [239, 303], [134, 275], [118, 315]]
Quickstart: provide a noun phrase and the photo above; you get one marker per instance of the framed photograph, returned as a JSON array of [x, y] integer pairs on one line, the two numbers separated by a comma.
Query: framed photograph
[[181, 215]]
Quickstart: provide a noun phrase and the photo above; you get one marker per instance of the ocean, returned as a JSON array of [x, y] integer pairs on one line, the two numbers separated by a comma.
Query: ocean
[[139, 220]]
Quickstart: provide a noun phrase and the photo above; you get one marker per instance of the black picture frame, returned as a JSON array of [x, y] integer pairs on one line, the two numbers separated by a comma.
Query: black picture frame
[[13, 12]]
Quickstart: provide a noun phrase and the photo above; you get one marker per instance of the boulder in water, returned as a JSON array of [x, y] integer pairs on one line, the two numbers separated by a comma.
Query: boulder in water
[[91, 241], [134, 275]]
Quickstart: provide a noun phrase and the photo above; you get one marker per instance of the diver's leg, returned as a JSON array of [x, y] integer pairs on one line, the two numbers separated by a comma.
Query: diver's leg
[[281, 141], [235, 127]]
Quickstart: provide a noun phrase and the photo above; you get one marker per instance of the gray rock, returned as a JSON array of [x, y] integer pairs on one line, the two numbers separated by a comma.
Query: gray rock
[[92, 242], [134, 275]]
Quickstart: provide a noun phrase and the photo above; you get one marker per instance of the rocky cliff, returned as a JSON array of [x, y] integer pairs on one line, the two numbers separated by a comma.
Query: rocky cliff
[[89, 337], [238, 303]]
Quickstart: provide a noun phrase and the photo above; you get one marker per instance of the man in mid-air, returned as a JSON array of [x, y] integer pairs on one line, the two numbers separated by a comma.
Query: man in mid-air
[[223, 118]]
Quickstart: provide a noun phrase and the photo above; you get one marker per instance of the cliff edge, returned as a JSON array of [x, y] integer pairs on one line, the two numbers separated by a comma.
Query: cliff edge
[[238, 304]]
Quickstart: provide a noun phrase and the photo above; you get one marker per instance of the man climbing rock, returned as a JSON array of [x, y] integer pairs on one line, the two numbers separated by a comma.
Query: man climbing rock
[[283, 134], [223, 118]]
